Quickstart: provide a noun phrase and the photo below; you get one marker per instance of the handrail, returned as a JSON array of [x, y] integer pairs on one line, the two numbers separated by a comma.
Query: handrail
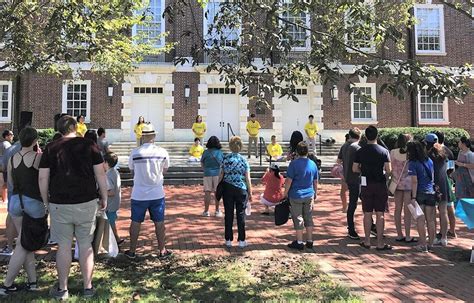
[[262, 145], [320, 144], [229, 131]]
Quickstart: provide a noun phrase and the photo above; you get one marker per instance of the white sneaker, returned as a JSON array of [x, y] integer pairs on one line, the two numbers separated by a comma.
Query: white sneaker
[[437, 241], [6, 251], [219, 213], [444, 242], [243, 244], [228, 244], [206, 214]]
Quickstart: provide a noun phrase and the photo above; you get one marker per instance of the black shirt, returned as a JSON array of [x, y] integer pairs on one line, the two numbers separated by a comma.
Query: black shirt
[[71, 162], [372, 158]]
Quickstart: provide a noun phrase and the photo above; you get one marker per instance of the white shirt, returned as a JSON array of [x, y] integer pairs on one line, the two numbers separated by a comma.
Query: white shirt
[[148, 163]]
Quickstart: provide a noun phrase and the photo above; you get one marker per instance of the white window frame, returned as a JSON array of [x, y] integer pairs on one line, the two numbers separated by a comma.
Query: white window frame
[[307, 46], [161, 41], [10, 101], [64, 100], [444, 121], [206, 28], [442, 41], [373, 106]]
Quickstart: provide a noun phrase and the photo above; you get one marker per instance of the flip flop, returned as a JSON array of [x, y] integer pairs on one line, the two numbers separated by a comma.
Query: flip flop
[[385, 247], [402, 239], [362, 244], [412, 240]]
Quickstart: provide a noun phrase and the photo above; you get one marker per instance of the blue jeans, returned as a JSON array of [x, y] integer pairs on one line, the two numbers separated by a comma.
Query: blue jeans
[[354, 193], [34, 208]]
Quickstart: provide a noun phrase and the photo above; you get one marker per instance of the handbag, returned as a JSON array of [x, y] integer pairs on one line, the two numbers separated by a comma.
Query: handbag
[[282, 212], [393, 184]]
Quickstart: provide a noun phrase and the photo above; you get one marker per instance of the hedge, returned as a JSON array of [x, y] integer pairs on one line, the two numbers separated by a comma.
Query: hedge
[[45, 136], [451, 135]]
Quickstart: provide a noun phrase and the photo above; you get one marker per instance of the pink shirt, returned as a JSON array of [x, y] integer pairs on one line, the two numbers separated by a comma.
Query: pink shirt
[[398, 161], [273, 187]]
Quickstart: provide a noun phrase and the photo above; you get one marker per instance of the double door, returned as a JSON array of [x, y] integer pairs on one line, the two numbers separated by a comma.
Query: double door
[[223, 109]]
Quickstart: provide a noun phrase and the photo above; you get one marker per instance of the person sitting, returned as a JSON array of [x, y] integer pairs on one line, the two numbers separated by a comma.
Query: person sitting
[[274, 151], [196, 151], [274, 182]]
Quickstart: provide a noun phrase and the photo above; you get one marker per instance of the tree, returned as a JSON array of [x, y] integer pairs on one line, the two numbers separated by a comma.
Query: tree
[[46, 36], [340, 31]]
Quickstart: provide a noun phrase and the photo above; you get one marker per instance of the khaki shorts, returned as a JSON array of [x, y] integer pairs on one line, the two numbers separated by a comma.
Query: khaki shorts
[[210, 183], [302, 213], [73, 220]]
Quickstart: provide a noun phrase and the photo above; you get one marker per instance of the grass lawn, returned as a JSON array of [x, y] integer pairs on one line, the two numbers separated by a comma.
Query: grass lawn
[[203, 279]]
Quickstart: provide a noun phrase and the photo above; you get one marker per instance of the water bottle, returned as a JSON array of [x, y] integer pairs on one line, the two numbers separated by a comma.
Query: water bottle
[[248, 209]]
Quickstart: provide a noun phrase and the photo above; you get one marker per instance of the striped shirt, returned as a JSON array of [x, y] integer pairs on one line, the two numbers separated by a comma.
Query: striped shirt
[[148, 163]]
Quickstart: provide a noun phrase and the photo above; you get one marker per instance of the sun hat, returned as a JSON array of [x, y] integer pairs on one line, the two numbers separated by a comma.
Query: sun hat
[[148, 129], [431, 138]]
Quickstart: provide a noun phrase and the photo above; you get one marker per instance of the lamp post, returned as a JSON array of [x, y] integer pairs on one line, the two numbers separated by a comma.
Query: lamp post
[[187, 93], [110, 92], [334, 93]]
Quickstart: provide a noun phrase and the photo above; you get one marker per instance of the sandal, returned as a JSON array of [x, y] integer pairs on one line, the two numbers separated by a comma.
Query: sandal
[[400, 239], [385, 247], [362, 244], [412, 240]]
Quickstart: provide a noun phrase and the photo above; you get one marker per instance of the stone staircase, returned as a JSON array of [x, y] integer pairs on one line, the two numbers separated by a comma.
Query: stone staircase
[[181, 172]]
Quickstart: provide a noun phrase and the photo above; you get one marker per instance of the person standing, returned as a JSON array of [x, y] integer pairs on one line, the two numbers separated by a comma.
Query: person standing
[[81, 127], [4, 146], [148, 163], [464, 173], [253, 128], [23, 171], [137, 129], [346, 157], [70, 170], [311, 130], [199, 128], [274, 150], [371, 161], [301, 188], [102, 142], [402, 193], [113, 192], [211, 162], [237, 191]]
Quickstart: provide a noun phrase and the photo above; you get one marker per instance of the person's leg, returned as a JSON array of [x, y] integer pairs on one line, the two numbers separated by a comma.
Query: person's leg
[[138, 210], [63, 263], [298, 219], [343, 195], [398, 196], [249, 150], [452, 219], [430, 213], [5, 193], [18, 258], [367, 227], [354, 192], [11, 231], [157, 215], [134, 232], [443, 219], [160, 232], [407, 214], [207, 200], [218, 209], [380, 222], [308, 219], [240, 204], [86, 261], [229, 214]]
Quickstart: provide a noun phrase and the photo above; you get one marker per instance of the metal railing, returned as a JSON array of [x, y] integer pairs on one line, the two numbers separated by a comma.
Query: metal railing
[[320, 145], [262, 146], [229, 131]]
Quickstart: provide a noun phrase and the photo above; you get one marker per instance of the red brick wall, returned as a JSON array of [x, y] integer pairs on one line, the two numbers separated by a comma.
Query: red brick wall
[[265, 119], [185, 112], [461, 115]]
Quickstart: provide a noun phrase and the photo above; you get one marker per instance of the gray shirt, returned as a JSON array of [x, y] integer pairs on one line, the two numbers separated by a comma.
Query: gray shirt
[[4, 146], [103, 145], [113, 184], [347, 155]]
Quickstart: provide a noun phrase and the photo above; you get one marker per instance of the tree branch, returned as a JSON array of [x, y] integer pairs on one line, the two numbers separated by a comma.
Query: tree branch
[[461, 10]]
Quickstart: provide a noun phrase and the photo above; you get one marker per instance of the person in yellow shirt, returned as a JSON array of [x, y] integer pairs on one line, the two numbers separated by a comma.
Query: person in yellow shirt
[[196, 151], [253, 127], [138, 129], [274, 150], [81, 127], [199, 128], [311, 129]]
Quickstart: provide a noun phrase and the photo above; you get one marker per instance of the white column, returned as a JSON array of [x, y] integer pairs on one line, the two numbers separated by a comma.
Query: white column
[[202, 99], [168, 90], [244, 113], [126, 111], [278, 117], [316, 104]]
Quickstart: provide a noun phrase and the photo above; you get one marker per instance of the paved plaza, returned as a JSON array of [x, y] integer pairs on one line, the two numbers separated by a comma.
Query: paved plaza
[[401, 274]]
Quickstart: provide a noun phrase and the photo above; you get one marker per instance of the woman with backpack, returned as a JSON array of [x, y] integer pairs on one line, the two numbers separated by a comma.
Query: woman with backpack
[[273, 181]]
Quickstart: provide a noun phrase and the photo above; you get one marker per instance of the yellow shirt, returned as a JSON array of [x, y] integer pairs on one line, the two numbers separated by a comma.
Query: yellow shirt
[[274, 150], [138, 130], [199, 129], [81, 129], [311, 129], [253, 128], [196, 151]]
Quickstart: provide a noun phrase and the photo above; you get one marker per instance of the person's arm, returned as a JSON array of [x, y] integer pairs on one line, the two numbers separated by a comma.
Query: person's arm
[[288, 182], [43, 182], [414, 187], [339, 161], [315, 187], [388, 168], [37, 160], [249, 185], [356, 168], [102, 182], [167, 164]]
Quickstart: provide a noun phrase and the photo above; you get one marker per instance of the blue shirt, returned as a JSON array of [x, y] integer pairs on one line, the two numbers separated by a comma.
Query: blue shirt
[[6, 157], [235, 167], [303, 172], [212, 162], [425, 181]]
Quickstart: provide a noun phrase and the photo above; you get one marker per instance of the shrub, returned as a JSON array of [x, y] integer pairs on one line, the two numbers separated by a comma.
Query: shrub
[[45, 136], [451, 135]]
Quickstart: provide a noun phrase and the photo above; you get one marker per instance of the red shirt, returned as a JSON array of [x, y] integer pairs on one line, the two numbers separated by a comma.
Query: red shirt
[[273, 187]]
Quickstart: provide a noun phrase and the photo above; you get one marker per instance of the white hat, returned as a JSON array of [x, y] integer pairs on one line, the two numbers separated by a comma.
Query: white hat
[[148, 129], [274, 166]]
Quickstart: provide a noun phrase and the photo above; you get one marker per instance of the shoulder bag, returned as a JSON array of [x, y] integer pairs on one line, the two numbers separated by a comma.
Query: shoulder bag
[[393, 184]]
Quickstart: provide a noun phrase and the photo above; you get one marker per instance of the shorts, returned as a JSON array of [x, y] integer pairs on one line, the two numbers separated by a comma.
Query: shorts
[[73, 220], [302, 213], [156, 208], [426, 199], [266, 202], [374, 197], [210, 183], [34, 208], [112, 217]]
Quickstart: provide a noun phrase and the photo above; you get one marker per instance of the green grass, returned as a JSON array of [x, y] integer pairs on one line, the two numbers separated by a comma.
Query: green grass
[[198, 279]]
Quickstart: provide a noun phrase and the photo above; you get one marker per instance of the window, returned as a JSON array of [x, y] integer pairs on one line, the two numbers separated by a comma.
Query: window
[[429, 31], [6, 100], [432, 109], [154, 24], [300, 36], [77, 98], [358, 37], [230, 36], [147, 90], [299, 91], [221, 90], [362, 110]]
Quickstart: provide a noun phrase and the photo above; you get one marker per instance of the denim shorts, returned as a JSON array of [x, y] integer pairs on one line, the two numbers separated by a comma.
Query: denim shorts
[[427, 199], [156, 208], [34, 208]]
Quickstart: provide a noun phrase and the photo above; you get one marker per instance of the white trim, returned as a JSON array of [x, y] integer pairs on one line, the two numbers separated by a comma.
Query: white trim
[[161, 42], [64, 99], [442, 51], [205, 27], [307, 46], [373, 106], [444, 121], [8, 118]]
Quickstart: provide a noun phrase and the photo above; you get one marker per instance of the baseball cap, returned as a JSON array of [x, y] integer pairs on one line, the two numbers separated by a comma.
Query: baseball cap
[[431, 138]]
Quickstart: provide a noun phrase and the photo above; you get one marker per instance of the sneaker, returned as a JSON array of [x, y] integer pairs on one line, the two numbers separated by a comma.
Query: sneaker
[[59, 294], [130, 255], [296, 245], [243, 244], [32, 286], [219, 213], [5, 291], [452, 235], [89, 292], [437, 241], [309, 244], [228, 243], [444, 242], [167, 254], [422, 248], [206, 214], [353, 235], [6, 251]]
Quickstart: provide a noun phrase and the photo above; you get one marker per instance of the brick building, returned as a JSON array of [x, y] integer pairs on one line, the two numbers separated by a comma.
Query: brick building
[[157, 89]]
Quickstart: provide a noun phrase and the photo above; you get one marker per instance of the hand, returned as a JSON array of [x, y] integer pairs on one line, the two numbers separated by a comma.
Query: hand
[[46, 207], [250, 197], [103, 204], [458, 163]]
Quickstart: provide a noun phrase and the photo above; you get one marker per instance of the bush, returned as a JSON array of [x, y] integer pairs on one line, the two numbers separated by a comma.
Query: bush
[[45, 136], [451, 135]]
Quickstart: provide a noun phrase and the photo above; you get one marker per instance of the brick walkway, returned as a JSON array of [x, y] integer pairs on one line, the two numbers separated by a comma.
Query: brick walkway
[[398, 275]]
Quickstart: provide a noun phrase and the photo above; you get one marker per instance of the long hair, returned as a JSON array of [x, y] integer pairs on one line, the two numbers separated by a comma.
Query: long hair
[[465, 140], [276, 172], [436, 151], [213, 142], [402, 141], [139, 118], [416, 151], [296, 137]]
